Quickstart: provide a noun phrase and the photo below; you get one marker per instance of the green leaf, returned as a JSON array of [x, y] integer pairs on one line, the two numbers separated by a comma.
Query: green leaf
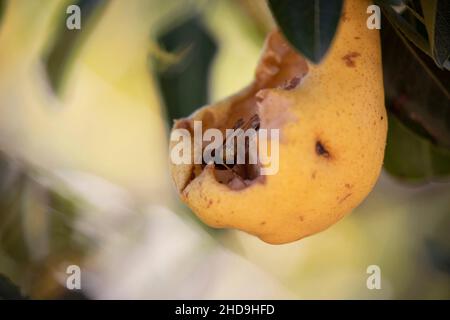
[[413, 158], [447, 64], [8, 290], [309, 25], [416, 90], [409, 31], [437, 21], [439, 255], [2, 9], [184, 84], [68, 42], [12, 240], [62, 213]]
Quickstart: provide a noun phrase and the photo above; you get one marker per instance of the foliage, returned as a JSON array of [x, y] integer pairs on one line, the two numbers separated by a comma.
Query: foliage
[[68, 42], [8, 290], [308, 25], [184, 83]]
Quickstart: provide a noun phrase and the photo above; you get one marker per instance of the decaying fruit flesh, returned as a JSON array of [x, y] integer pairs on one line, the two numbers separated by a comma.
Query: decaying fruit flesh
[[332, 123]]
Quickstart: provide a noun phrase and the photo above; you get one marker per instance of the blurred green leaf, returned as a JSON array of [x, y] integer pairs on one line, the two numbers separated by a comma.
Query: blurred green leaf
[[415, 15], [63, 211], [2, 9], [429, 9], [184, 84], [408, 30], [35, 221], [308, 25], [437, 20], [12, 240], [439, 254], [416, 90], [68, 42], [413, 158], [8, 290], [447, 64]]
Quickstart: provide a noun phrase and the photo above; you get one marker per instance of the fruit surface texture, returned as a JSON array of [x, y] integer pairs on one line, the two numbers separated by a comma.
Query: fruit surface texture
[[332, 123]]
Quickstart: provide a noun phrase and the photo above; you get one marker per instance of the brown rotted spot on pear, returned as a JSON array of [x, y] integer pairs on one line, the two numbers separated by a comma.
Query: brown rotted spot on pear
[[321, 150], [349, 58]]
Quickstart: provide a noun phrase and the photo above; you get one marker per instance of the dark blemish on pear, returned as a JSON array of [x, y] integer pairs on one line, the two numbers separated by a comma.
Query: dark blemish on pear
[[321, 151], [349, 58]]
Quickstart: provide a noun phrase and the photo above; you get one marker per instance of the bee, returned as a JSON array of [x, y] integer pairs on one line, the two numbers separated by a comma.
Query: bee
[[239, 171]]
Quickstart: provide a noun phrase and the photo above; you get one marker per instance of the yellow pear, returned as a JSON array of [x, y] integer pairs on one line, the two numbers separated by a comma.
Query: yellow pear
[[332, 127]]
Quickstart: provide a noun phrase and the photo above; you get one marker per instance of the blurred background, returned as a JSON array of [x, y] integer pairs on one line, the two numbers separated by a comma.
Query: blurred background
[[84, 122]]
